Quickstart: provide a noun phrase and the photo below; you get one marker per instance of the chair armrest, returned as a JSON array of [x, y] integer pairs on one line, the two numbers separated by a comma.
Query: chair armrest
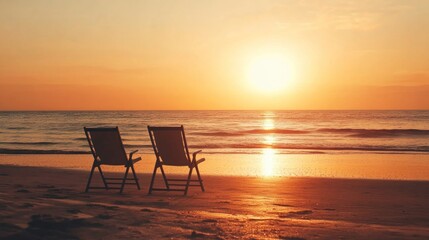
[[194, 155], [132, 153], [132, 161], [136, 160], [200, 161]]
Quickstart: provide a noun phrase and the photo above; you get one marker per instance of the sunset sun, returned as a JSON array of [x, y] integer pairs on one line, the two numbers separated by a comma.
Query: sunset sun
[[269, 73]]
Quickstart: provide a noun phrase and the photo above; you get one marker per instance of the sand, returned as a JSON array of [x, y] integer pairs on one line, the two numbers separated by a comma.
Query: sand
[[49, 203]]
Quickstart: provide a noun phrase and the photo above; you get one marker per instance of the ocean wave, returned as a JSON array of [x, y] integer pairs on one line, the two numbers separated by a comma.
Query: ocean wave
[[36, 151], [376, 133], [137, 146], [30, 143], [80, 139], [423, 149], [127, 146], [350, 132], [252, 131], [18, 128]]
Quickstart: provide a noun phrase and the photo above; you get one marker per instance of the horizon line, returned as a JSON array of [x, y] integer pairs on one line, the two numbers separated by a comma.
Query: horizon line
[[136, 110]]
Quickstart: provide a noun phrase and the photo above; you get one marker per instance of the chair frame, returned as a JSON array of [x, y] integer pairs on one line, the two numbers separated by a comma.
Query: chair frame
[[98, 162], [159, 164]]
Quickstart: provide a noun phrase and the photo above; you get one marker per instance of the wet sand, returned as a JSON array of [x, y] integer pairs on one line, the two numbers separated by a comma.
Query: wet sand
[[374, 166], [49, 203]]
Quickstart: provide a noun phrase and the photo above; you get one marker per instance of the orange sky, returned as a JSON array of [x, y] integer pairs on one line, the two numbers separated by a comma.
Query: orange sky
[[83, 55]]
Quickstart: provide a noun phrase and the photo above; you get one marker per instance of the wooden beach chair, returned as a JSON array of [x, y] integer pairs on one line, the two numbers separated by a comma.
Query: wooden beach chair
[[107, 149], [171, 149]]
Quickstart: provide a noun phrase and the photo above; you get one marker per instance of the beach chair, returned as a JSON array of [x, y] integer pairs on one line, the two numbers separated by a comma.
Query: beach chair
[[107, 149], [171, 149]]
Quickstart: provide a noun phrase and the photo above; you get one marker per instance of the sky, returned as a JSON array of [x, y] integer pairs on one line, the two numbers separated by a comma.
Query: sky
[[201, 54]]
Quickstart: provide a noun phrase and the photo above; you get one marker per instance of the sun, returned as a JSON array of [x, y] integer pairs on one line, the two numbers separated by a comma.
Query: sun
[[269, 72]]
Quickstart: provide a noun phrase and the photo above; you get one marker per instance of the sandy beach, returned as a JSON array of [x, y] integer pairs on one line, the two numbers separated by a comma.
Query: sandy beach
[[50, 203]]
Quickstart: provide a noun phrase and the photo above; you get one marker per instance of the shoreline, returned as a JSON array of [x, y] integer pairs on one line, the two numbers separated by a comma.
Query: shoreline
[[270, 178], [331, 152], [345, 166], [232, 207]]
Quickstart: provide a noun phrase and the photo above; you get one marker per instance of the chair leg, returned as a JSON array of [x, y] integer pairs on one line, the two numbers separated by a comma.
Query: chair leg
[[135, 176], [102, 177], [125, 178], [189, 181], [199, 178], [153, 178], [90, 178], [165, 178]]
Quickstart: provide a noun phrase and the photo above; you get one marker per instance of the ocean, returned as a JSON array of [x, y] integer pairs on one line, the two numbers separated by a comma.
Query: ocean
[[224, 132]]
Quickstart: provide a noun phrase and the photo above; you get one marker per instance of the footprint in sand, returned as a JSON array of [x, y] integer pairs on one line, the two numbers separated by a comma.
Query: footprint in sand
[[3, 206], [57, 193], [102, 206], [104, 216], [45, 186], [8, 229], [22, 190], [42, 225], [325, 209], [303, 212], [329, 209], [209, 220], [59, 190], [198, 235], [282, 205], [151, 204], [291, 238], [54, 196], [146, 210], [295, 213], [26, 205], [74, 211], [140, 222]]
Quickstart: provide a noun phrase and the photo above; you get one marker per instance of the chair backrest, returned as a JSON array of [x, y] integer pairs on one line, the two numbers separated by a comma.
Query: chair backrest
[[106, 145], [169, 144]]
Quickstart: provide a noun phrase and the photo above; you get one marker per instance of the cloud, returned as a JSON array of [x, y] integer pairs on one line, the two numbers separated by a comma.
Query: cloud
[[339, 15], [411, 78]]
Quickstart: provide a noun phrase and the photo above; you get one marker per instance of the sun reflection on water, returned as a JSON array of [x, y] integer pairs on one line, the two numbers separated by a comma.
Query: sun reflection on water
[[268, 124], [269, 140], [268, 153], [269, 162]]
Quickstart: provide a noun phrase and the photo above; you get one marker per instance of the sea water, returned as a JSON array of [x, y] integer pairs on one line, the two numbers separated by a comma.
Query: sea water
[[226, 132]]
